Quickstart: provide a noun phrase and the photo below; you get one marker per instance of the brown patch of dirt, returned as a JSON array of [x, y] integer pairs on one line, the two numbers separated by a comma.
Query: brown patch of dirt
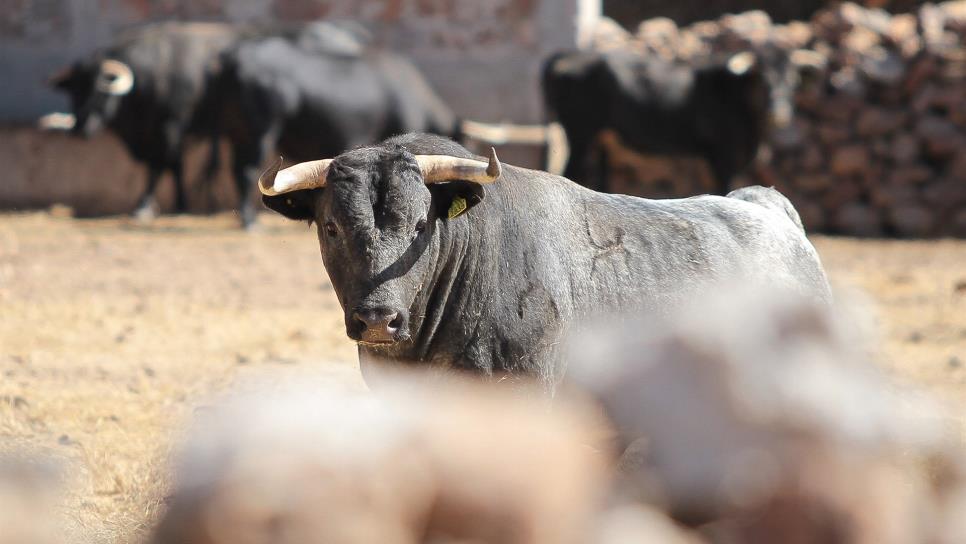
[[112, 334]]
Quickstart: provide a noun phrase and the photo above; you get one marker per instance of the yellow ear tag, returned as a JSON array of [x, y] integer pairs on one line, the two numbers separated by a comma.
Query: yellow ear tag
[[457, 207]]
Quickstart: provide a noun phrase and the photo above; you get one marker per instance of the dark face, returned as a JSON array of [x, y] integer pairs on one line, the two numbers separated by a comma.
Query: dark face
[[92, 108], [378, 226], [784, 78]]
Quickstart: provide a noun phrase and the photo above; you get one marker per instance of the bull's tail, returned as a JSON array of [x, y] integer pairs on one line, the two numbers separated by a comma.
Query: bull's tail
[[769, 198]]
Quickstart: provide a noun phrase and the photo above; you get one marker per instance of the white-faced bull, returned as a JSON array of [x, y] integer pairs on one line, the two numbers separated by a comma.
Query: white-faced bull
[[449, 260]]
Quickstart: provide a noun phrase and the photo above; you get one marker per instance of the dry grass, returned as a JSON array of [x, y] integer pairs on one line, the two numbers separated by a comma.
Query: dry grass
[[111, 334]]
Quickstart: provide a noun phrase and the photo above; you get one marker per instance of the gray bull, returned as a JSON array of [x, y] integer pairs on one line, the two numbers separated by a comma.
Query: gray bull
[[441, 259]]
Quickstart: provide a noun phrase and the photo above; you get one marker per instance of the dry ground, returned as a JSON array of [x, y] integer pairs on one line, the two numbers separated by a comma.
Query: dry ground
[[111, 335]]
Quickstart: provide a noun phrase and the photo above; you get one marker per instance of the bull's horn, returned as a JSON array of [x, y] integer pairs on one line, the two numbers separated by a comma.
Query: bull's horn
[[434, 168], [441, 168], [305, 175], [115, 78], [808, 58], [741, 63]]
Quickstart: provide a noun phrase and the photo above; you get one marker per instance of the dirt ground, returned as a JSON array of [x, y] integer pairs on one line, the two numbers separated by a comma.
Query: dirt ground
[[112, 334]]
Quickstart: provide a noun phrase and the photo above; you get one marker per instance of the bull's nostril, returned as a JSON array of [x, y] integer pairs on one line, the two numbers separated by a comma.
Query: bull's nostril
[[376, 325]]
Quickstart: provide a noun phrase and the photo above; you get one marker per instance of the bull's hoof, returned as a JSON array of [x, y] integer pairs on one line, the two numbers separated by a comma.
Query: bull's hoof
[[253, 226], [145, 214], [249, 220]]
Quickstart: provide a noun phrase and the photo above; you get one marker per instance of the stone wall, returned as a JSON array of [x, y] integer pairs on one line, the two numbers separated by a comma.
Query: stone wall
[[629, 14], [878, 146]]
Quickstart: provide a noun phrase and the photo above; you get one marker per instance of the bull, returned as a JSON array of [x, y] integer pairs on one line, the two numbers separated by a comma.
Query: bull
[[720, 111], [290, 94], [150, 88], [444, 259], [159, 85]]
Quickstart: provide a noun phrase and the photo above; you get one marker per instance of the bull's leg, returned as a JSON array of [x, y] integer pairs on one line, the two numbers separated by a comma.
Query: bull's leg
[[248, 159], [723, 167], [180, 195], [246, 175], [577, 161], [147, 208]]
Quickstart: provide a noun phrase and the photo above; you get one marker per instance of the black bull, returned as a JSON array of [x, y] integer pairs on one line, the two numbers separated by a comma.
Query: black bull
[[308, 90], [719, 110], [305, 99], [457, 265], [149, 88]]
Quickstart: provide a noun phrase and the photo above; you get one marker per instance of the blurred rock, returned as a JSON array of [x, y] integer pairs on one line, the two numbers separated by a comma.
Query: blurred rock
[[913, 174], [883, 121], [811, 183], [812, 214], [424, 462], [957, 168], [812, 158], [788, 434], [940, 137], [640, 524], [858, 220], [860, 40], [833, 134], [946, 193], [607, 34], [850, 160], [890, 195], [878, 122], [905, 148], [957, 226], [912, 221]]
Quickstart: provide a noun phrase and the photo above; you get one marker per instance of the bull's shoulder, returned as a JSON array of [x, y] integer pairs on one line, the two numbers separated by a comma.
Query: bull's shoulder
[[770, 198]]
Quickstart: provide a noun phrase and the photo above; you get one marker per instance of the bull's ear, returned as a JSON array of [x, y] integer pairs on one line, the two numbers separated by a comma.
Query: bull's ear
[[455, 198], [297, 205]]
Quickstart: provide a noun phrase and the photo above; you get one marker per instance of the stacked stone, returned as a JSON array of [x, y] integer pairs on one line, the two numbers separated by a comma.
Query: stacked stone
[[878, 146]]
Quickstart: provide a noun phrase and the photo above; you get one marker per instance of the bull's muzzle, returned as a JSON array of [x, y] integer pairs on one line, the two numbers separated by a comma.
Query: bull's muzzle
[[378, 326], [57, 121]]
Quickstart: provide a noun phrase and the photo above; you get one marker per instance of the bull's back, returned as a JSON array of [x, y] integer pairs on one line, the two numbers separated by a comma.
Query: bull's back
[[676, 245], [622, 252]]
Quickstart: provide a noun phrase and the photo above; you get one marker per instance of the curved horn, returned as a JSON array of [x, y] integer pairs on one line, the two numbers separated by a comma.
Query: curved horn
[[442, 168], [305, 175], [740, 63], [115, 78]]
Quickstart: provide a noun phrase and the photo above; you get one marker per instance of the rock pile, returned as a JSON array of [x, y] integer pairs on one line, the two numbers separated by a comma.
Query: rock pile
[[878, 146]]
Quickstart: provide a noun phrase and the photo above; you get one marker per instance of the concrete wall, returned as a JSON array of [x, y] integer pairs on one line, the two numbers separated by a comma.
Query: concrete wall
[[482, 56]]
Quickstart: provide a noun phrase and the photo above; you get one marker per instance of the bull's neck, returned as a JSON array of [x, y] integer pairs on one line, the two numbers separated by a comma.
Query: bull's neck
[[450, 303]]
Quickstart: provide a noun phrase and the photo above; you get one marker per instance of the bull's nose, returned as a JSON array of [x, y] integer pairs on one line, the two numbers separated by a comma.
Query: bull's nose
[[378, 325]]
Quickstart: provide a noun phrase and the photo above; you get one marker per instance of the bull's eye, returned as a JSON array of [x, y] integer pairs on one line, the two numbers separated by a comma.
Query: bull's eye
[[331, 230], [420, 225]]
